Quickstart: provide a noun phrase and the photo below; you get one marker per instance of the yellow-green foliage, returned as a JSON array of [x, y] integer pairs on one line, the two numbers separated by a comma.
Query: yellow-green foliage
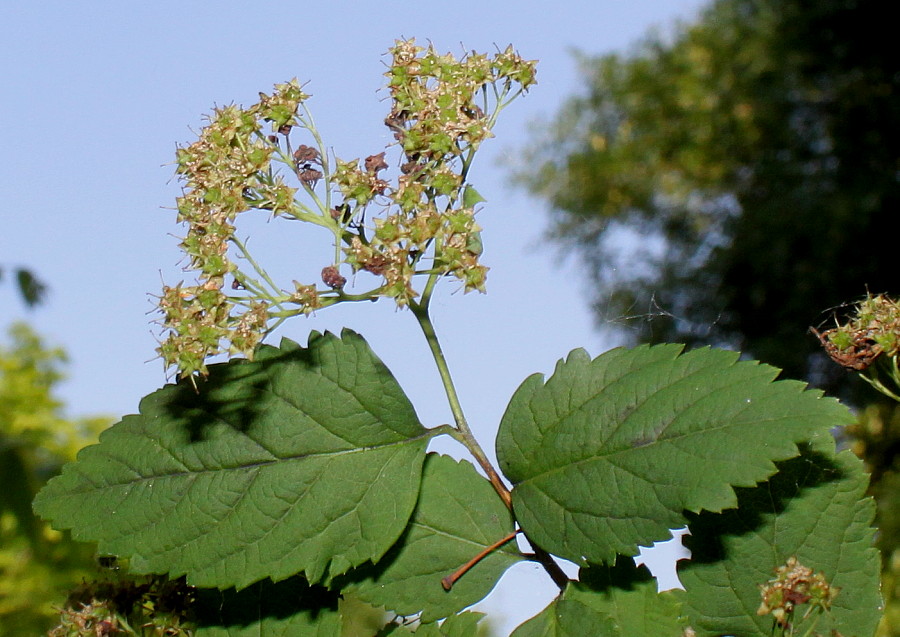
[[37, 564], [874, 439]]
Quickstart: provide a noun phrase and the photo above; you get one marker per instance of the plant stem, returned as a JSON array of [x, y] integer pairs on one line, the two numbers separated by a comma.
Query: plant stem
[[261, 272], [464, 435], [421, 314], [448, 582]]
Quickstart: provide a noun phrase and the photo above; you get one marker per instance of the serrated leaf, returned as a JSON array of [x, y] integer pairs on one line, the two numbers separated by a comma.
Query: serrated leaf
[[566, 618], [462, 625], [618, 601], [457, 516], [305, 460], [628, 594], [813, 509], [290, 608], [608, 453]]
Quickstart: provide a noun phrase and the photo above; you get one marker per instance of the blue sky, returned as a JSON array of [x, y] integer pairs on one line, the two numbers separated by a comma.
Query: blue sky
[[96, 96]]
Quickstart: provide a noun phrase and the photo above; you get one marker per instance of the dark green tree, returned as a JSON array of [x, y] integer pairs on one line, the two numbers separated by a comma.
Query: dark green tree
[[751, 163]]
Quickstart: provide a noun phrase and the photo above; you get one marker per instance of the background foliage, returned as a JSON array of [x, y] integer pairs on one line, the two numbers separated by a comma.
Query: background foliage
[[37, 565]]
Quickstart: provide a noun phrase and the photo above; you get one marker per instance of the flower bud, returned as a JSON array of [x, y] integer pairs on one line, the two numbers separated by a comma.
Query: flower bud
[[331, 277]]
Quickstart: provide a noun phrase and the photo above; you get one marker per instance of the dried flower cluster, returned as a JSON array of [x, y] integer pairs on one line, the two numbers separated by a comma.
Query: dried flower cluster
[[869, 342], [421, 223], [792, 585]]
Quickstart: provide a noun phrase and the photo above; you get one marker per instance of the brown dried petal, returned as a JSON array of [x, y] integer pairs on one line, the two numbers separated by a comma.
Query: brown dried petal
[[306, 153], [396, 120], [410, 167], [473, 110], [376, 264], [861, 353], [374, 163], [309, 176], [379, 186], [341, 213]]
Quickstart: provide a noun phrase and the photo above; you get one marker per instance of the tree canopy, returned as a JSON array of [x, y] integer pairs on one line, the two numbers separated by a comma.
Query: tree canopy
[[727, 184]]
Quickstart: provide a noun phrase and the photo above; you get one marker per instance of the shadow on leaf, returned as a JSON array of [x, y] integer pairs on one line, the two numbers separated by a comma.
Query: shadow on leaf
[[262, 601], [623, 575], [231, 393], [707, 530]]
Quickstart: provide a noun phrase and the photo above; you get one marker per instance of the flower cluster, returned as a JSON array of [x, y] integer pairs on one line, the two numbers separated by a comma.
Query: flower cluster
[[151, 605], [795, 584], [440, 115], [421, 224], [869, 342], [435, 112], [226, 172]]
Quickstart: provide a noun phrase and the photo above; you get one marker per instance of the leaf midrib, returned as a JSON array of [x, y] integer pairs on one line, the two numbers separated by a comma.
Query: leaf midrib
[[427, 434]]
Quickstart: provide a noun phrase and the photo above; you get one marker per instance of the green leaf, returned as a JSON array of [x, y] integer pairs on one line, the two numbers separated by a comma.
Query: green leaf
[[608, 453], [628, 594], [617, 601], [32, 289], [814, 509], [287, 609], [305, 460], [458, 515], [566, 618], [472, 197], [462, 625]]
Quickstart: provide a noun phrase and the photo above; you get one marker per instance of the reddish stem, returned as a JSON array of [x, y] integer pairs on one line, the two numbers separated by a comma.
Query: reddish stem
[[450, 580]]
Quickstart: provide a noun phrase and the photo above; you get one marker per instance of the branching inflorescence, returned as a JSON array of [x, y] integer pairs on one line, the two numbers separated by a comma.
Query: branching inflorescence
[[442, 109]]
